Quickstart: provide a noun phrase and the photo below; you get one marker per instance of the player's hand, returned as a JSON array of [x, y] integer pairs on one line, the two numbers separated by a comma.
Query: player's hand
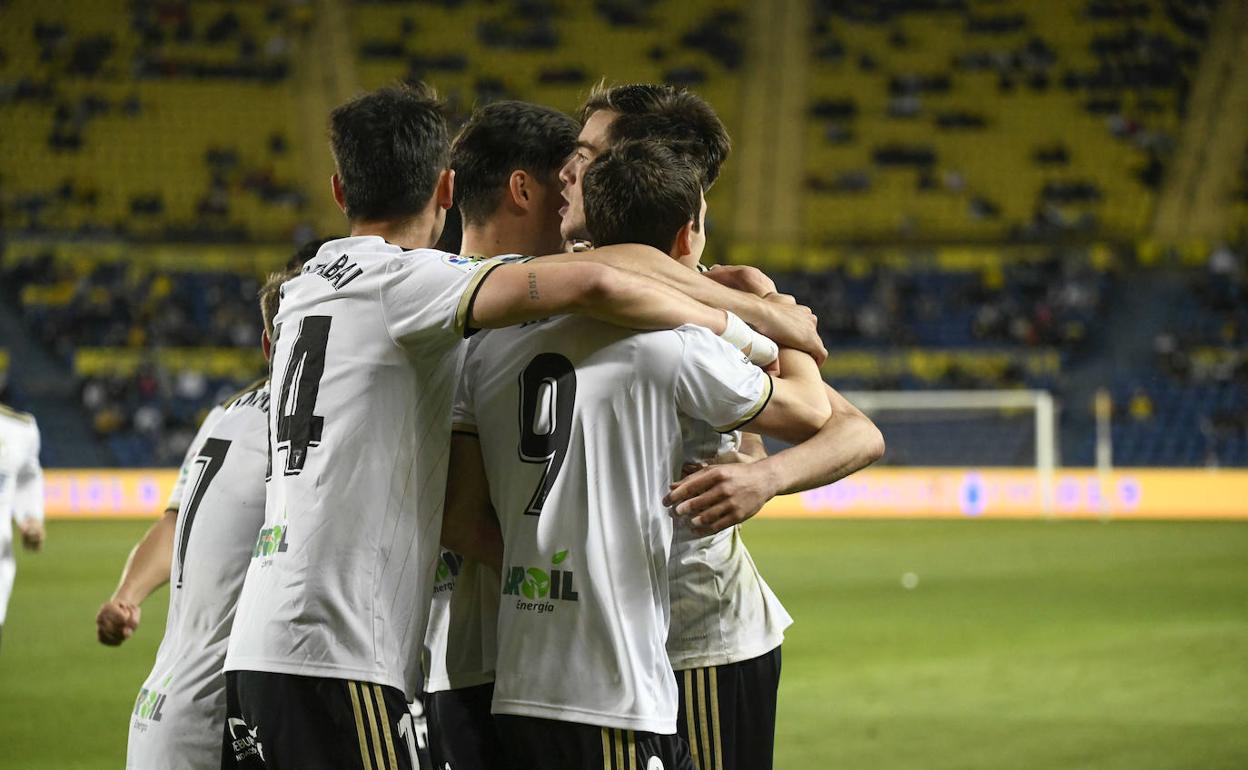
[[116, 621], [793, 326], [32, 534], [720, 496], [742, 278]]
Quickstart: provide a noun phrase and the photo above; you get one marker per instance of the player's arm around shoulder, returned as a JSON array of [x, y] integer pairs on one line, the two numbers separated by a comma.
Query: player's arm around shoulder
[[519, 292], [469, 525]]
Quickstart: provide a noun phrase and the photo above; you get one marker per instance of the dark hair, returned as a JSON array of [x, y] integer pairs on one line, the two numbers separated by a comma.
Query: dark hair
[[641, 192], [500, 138], [671, 115], [306, 252], [390, 145]]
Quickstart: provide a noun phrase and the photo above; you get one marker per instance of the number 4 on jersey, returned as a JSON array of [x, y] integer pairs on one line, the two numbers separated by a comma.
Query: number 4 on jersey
[[297, 427]]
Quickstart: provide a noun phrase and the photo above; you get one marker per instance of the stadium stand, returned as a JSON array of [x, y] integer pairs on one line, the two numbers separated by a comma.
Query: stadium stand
[[948, 118], [137, 131]]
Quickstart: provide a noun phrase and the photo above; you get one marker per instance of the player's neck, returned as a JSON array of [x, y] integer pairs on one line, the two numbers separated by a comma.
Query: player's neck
[[492, 238], [418, 232]]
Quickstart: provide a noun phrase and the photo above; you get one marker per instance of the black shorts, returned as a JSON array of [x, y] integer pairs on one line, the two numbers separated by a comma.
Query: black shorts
[[288, 722], [728, 713], [462, 734], [544, 744]]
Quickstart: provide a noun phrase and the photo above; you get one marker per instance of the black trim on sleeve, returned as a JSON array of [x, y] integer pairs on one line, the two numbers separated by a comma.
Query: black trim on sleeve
[[771, 390]]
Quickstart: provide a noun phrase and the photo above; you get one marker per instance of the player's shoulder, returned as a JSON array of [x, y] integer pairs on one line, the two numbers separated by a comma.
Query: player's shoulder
[[16, 417]]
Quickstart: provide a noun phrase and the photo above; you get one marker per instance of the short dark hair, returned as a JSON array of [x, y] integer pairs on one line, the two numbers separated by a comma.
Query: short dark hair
[[500, 138], [641, 192], [675, 116], [390, 145]]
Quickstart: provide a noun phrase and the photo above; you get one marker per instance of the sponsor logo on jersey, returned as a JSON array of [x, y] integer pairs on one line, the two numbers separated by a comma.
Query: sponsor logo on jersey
[[150, 704], [449, 565], [272, 540], [537, 589], [463, 262], [654, 764], [243, 740]]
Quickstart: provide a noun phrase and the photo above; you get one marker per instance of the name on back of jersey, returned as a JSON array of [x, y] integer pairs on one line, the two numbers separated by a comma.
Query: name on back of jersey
[[339, 273]]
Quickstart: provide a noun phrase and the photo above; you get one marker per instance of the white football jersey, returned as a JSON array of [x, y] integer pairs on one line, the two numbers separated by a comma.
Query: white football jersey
[[581, 435], [722, 610], [21, 489], [367, 353], [177, 717], [461, 643], [189, 462]]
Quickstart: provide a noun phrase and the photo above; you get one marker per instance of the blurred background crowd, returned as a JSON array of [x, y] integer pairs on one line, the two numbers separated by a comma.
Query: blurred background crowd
[[970, 194]]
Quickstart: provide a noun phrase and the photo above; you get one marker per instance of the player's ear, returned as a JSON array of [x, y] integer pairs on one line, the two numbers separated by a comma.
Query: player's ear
[[444, 193], [683, 245], [518, 189], [335, 184], [266, 345]]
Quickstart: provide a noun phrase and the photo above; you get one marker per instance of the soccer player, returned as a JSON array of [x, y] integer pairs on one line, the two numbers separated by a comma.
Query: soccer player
[[203, 546], [506, 161], [331, 620], [580, 429], [21, 494], [726, 623]]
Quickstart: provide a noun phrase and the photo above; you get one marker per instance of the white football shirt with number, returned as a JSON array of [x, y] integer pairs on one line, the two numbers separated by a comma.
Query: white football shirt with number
[[21, 489], [722, 610], [368, 349], [177, 718], [188, 461], [580, 428]]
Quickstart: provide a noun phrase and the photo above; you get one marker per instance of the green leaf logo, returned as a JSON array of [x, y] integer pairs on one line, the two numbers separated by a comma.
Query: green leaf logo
[[559, 557], [536, 584]]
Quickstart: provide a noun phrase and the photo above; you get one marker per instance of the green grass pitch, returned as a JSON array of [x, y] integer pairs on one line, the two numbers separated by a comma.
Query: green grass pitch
[[1023, 645]]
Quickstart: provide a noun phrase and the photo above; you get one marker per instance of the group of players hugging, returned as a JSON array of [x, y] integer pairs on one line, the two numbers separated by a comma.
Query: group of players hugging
[[493, 490]]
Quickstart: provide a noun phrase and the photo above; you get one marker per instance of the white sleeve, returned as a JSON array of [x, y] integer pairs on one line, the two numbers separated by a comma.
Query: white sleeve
[[716, 384], [429, 293], [28, 501], [179, 486]]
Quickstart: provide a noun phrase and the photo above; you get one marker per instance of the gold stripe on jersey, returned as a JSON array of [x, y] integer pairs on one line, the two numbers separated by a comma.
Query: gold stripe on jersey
[[380, 700], [359, 726], [758, 407], [372, 725], [690, 708], [464, 312], [717, 740], [606, 750], [619, 749], [702, 720]]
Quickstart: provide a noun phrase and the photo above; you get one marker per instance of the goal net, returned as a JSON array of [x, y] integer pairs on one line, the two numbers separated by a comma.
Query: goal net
[[967, 428]]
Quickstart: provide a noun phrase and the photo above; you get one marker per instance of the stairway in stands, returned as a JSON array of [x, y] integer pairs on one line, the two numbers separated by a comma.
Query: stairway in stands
[[47, 388]]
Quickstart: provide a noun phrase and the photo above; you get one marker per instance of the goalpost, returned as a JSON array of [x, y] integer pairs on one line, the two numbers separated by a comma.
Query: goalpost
[[997, 411]]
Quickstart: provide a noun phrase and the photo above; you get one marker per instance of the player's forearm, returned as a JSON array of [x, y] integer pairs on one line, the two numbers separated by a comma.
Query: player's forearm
[[150, 562], [474, 536], [636, 302], [653, 264], [848, 442]]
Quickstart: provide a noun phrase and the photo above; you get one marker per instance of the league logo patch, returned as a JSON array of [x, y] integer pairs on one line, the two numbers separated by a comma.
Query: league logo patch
[[462, 262]]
